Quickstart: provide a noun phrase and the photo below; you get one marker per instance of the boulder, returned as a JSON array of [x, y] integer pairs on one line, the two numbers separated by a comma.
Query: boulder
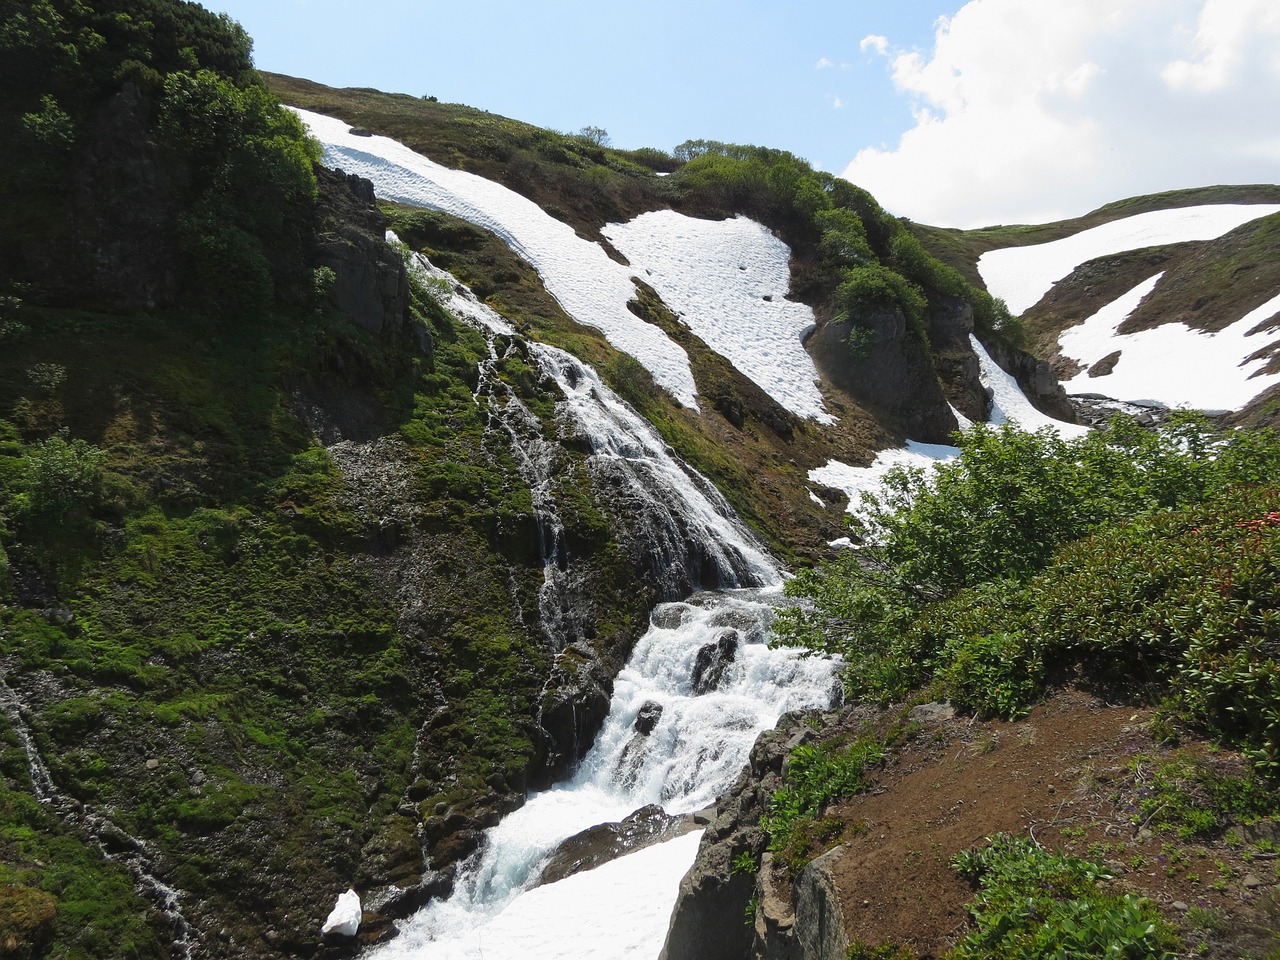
[[598, 845], [712, 660], [648, 717]]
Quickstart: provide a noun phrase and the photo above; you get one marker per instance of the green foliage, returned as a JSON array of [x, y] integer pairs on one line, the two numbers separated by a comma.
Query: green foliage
[[875, 287], [63, 481], [1191, 797], [996, 674], [1175, 586], [884, 951], [814, 776], [1033, 904], [253, 186]]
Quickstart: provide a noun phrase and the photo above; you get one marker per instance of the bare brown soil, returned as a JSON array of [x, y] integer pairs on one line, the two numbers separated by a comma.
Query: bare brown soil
[[1067, 776]]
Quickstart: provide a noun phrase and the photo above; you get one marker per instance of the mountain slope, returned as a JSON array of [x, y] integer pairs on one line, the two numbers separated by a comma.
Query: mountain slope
[[1208, 261]]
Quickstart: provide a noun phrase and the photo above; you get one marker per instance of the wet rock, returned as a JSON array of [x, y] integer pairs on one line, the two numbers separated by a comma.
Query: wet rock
[[607, 841], [712, 660], [706, 923], [669, 616], [648, 717]]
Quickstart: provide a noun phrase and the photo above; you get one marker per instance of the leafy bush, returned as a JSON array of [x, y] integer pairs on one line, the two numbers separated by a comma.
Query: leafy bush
[[1160, 574], [1034, 904], [876, 287], [815, 776]]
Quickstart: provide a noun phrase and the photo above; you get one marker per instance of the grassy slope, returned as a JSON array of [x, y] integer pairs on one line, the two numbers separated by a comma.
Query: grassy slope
[[588, 186], [236, 674]]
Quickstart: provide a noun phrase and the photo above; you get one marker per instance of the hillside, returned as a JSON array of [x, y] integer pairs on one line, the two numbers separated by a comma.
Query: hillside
[[325, 552], [1142, 282]]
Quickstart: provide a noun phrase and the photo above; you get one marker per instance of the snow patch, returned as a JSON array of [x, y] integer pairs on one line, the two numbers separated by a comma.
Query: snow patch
[[728, 281], [593, 289], [855, 481], [1022, 275], [629, 901], [1172, 364], [344, 919], [1009, 404]]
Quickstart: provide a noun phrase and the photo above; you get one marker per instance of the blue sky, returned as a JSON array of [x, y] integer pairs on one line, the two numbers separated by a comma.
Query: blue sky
[[949, 112]]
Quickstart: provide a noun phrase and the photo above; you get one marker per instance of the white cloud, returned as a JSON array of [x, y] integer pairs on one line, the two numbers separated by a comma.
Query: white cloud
[[824, 64], [1026, 112], [837, 103], [875, 43]]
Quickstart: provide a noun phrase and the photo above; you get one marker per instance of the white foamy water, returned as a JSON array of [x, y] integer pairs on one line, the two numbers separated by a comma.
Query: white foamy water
[[694, 752], [699, 743]]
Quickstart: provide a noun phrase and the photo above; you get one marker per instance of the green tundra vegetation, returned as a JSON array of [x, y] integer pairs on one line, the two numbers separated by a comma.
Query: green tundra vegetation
[[1135, 559], [201, 617]]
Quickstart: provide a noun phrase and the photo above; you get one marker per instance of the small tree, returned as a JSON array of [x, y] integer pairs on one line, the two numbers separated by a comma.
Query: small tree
[[596, 135]]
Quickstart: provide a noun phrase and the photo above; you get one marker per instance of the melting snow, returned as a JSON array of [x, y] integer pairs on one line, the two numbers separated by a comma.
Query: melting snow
[[728, 281], [1170, 364], [1022, 275], [1008, 405], [623, 909], [592, 288], [855, 480]]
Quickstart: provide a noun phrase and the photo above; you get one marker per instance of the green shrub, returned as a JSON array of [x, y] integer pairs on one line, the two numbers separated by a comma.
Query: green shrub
[[1033, 904], [814, 777]]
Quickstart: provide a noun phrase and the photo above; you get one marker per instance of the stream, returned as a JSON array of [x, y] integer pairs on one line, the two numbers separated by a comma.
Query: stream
[[700, 685]]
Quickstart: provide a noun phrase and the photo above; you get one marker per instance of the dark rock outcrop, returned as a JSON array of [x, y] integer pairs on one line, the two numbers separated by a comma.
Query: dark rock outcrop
[[887, 369], [119, 248], [706, 923], [713, 660], [648, 717], [371, 286], [958, 368], [1035, 377], [598, 845]]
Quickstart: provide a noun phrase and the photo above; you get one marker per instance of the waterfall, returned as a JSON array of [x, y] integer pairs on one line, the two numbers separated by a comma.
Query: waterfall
[[116, 845], [701, 684]]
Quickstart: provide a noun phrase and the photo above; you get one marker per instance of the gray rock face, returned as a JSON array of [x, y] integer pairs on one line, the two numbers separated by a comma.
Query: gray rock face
[[707, 922], [371, 286], [607, 841], [819, 927], [889, 373], [713, 660], [1036, 378]]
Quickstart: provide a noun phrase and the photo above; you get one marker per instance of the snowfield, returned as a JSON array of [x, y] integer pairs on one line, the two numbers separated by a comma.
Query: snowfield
[[1020, 276], [1171, 364], [593, 289], [727, 280]]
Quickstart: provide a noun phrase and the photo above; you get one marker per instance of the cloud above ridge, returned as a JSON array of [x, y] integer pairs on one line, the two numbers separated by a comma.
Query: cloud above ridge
[[1027, 112]]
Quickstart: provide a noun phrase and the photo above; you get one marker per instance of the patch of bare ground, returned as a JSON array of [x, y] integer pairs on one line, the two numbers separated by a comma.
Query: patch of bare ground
[[1072, 775]]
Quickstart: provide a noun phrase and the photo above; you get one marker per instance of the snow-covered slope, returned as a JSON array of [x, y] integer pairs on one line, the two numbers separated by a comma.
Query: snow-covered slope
[[727, 280], [1171, 364], [1020, 276]]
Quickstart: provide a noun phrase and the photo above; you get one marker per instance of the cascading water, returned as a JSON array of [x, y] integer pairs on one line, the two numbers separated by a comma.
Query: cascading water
[[115, 844], [699, 687]]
